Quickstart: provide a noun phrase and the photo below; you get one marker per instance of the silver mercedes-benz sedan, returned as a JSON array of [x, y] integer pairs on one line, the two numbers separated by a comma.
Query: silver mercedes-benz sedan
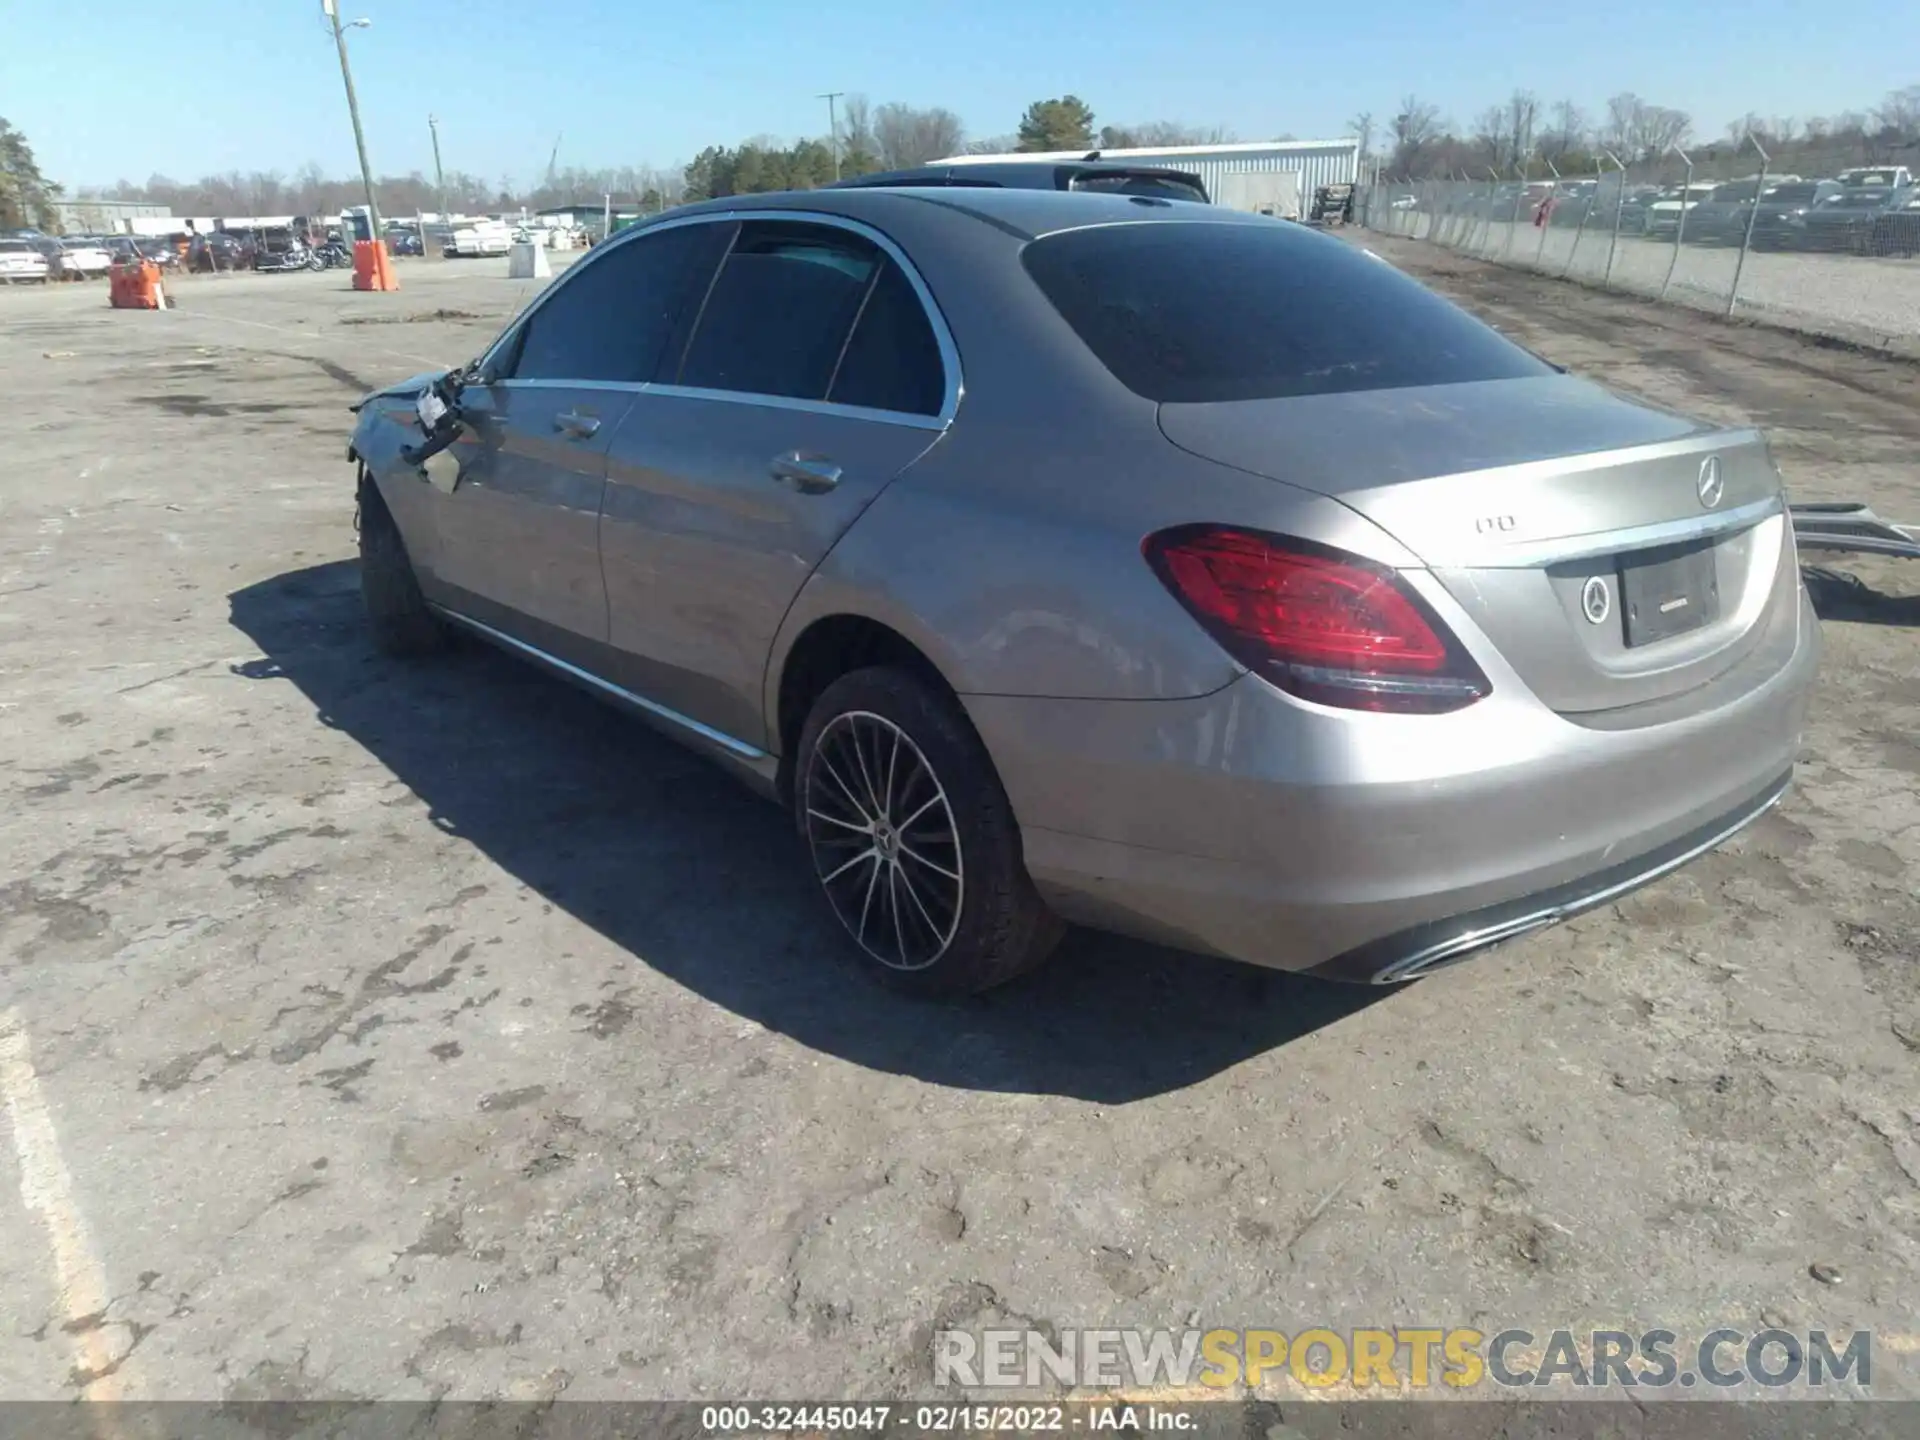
[[1110, 560]]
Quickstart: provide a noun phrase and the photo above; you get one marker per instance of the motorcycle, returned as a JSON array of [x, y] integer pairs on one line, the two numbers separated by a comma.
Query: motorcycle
[[331, 256]]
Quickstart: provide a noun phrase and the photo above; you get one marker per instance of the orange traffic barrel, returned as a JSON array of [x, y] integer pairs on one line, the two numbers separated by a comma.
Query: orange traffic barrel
[[135, 285], [372, 266]]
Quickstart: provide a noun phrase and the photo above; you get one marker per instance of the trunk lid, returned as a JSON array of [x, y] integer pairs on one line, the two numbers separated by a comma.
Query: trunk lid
[[1573, 527]]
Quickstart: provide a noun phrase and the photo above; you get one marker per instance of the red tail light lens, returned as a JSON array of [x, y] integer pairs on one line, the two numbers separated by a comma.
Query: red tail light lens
[[1317, 622]]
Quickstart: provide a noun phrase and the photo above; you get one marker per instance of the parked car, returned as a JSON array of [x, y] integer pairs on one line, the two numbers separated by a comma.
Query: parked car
[[1428, 643], [1721, 218], [1780, 219], [1633, 208], [1577, 201], [1876, 177], [74, 257], [1663, 215], [1844, 223], [1109, 177], [1896, 229], [21, 262]]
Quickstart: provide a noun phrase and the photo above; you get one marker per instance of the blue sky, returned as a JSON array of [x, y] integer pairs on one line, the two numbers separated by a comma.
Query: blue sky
[[256, 87]]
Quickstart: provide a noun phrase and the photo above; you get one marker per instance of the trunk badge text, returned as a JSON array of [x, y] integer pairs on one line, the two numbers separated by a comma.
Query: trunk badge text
[[1596, 600], [1712, 486]]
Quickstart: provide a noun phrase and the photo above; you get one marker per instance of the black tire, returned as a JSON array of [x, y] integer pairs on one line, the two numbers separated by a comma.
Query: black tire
[[975, 920], [397, 612]]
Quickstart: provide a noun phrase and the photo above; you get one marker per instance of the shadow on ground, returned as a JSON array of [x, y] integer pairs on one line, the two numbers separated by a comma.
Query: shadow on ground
[[706, 883], [1838, 595]]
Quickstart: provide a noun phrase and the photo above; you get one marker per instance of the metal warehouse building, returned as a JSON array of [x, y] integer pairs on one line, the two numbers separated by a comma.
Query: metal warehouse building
[[1228, 171]]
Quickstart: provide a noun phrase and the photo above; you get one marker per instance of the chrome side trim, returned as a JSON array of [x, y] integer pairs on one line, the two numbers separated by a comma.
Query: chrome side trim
[[640, 702], [1461, 946], [811, 407]]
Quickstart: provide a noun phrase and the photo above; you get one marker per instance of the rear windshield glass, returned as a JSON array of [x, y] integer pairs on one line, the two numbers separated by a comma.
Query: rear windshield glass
[[1792, 192], [1185, 313], [1166, 187]]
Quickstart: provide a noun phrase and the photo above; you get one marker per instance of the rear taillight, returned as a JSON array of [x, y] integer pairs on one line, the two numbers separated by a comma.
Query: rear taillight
[[1317, 622]]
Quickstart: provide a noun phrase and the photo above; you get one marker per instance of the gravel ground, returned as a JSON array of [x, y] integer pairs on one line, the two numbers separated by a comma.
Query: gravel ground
[[1870, 301], [374, 1031]]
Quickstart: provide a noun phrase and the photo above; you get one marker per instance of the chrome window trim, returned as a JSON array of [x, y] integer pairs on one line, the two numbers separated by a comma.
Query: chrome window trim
[[953, 388], [905, 418], [640, 702]]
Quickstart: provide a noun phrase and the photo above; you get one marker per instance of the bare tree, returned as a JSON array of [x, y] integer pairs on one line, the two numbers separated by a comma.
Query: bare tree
[[1567, 133], [1522, 119], [1639, 130], [1160, 134], [856, 127], [993, 145], [905, 136], [1900, 113], [1415, 127], [1489, 136], [1361, 128]]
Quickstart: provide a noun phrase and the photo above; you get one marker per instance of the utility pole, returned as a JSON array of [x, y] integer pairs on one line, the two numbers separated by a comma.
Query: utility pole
[[833, 127], [439, 175], [332, 10]]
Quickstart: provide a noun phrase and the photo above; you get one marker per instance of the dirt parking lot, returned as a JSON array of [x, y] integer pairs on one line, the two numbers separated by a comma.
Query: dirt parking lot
[[374, 1031]]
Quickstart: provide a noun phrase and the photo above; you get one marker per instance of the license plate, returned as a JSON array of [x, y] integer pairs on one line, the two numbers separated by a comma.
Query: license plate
[[1668, 592]]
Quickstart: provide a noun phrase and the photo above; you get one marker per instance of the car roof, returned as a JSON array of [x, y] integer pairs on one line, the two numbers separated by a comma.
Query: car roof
[[1034, 174], [1027, 214]]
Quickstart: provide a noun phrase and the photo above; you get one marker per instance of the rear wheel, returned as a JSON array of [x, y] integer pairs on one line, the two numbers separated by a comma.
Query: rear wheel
[[398, 614], [912, 839]]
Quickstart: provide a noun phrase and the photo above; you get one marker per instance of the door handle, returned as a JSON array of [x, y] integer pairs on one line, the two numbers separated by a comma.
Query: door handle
[[809, 474], [574, 425]]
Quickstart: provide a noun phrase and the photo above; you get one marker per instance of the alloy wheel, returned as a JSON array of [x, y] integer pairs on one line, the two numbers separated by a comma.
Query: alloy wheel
[[885, 845]]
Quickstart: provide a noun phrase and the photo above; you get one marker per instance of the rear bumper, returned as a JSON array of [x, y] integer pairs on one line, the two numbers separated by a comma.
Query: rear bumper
[[1376, 848], [1422, 949]]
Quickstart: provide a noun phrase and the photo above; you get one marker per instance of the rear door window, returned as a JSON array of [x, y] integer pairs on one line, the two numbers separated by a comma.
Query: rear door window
[[892, 360], [1192, 313], [781, 310]]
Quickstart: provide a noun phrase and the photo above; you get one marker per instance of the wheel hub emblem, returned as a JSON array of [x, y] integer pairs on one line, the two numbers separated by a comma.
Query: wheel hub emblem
[[1712, 486], [1596, 600]]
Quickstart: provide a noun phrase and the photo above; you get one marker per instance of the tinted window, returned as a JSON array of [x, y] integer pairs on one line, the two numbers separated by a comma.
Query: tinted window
[[892, 361], [610, 319], [781, 311], [1742, 191], [1192, 312], [1166, 187], [1792, 192]]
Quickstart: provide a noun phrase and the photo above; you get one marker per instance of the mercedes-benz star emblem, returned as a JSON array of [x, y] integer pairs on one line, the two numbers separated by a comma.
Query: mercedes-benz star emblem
[[1596, 601], [1712, 486]]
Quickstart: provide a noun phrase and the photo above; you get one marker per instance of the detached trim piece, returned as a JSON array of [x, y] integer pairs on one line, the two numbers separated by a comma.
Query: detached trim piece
[[1853, 528], [1426, 948], [606, 687]]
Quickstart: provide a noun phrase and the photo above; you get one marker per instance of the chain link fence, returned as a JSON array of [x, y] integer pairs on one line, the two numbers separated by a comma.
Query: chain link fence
[[1733, 232]]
